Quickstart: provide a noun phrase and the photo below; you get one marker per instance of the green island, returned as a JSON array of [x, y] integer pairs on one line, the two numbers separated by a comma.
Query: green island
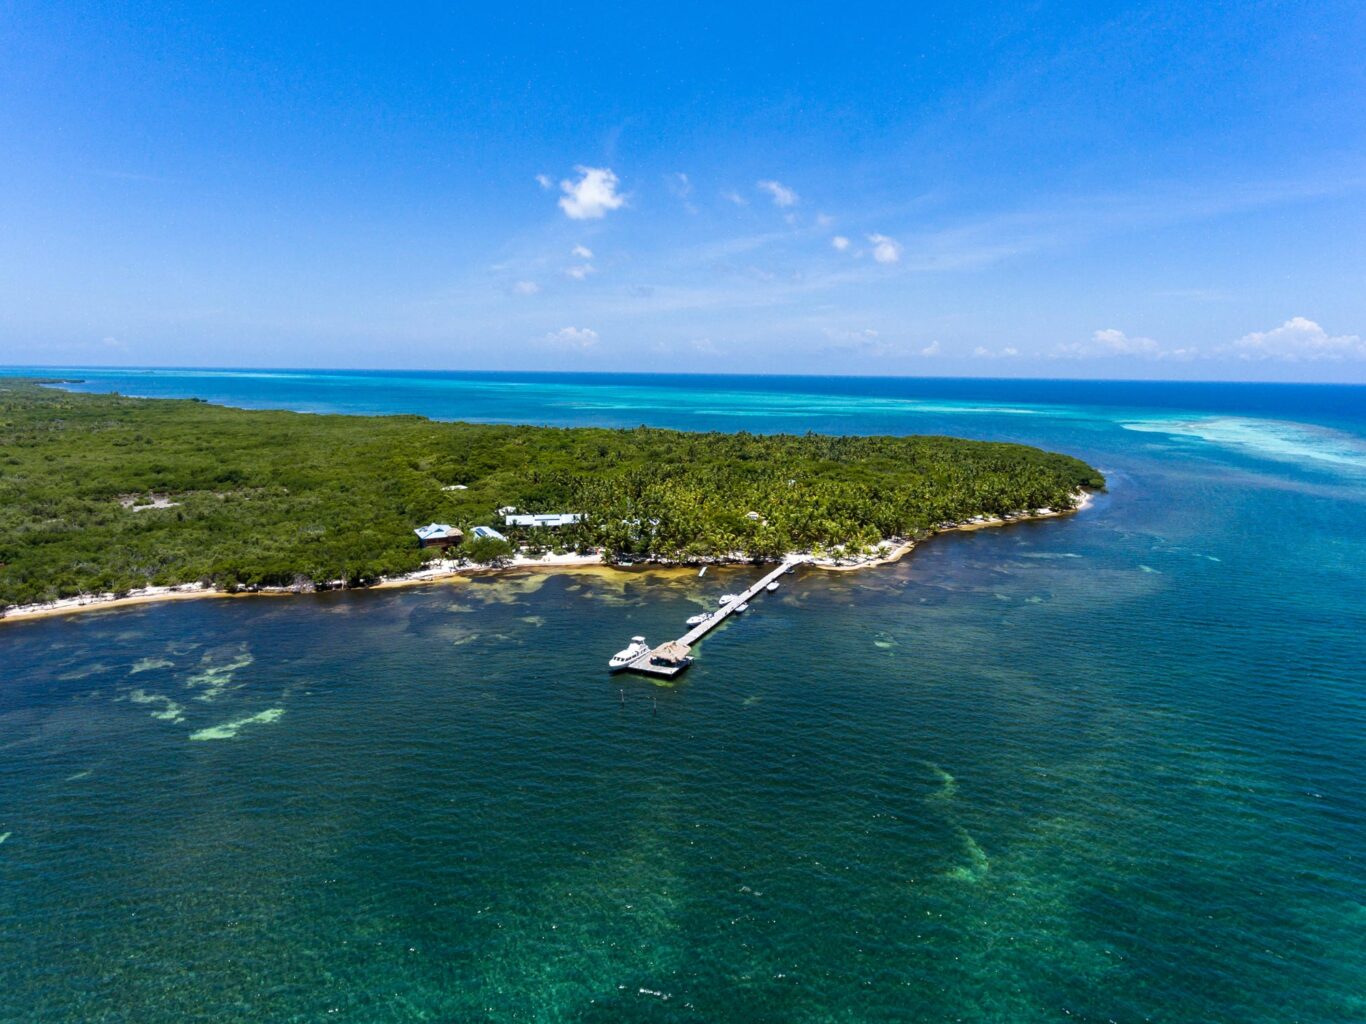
[[108, 494]]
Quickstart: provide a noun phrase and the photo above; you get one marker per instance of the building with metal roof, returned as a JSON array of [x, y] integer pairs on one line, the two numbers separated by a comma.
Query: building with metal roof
[[552, 520], [438, 535]]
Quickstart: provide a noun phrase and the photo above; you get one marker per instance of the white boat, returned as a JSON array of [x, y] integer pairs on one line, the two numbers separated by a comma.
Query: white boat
[[698, 619], [772, 586], [628, 654], [728, 598], [742, 606], [703, 572]]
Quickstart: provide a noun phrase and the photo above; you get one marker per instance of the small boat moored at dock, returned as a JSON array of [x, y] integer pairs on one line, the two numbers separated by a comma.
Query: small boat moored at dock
[[772, 586], [743, 606], [698, 619], [628, 654], [727, 598]]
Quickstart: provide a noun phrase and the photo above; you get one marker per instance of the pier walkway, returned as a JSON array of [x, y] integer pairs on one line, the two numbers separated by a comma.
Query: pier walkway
[[669, 659]]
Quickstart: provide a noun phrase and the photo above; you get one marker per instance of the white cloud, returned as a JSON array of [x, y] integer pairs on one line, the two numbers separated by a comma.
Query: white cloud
[[863, 343], [1111, 342], [545, 182], [582, 252], [835, 334], [824, 220], [1299, 338], [679, 185], [1010, 351], [782, 195], [732, 196], [1114, 342], [573, 337], [840, 243], [885, 250], [932, 349], [581, 272], [981, 353], [526, 288], [592, 196], [706, 346]]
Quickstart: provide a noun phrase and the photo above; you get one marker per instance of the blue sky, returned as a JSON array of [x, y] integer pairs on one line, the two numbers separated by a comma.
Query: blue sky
[[1092, 189]]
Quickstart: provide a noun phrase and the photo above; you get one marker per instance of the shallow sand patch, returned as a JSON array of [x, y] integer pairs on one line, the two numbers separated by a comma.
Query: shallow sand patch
[[977, 864], [170, 710], [215, 678], [148, 664], [229, 730]]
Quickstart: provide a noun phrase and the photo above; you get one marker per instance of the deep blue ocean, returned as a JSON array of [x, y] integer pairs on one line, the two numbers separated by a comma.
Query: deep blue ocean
[[1102, 768]]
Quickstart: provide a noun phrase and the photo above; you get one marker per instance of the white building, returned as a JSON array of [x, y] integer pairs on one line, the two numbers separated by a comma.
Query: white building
[[553, 519]]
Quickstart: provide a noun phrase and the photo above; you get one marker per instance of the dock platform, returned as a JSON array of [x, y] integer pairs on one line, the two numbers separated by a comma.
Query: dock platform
[[669, 659]]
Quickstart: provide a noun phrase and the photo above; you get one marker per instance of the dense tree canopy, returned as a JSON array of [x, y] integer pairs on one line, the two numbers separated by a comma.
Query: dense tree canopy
[[260, 497]]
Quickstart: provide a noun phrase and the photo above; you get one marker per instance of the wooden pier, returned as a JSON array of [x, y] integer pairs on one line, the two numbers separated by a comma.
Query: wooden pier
[[669, 659]]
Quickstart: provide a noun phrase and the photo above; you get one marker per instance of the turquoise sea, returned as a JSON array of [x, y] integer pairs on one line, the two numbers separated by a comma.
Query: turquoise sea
[[1106, 768]]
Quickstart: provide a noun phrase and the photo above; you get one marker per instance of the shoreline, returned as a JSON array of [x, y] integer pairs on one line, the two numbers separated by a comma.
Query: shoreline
[[445, 570]]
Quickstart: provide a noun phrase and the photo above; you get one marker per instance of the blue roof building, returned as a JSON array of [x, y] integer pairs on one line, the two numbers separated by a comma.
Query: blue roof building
[[441, 535]]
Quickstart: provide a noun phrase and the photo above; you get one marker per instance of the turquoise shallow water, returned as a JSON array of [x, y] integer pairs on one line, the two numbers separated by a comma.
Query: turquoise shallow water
[[1103, 768]]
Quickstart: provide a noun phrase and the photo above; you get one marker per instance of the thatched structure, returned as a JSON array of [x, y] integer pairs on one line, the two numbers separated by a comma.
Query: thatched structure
[[671, 653]]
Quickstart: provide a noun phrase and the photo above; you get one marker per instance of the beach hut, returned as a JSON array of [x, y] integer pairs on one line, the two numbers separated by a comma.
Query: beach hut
[[438, 535], [672, 653]]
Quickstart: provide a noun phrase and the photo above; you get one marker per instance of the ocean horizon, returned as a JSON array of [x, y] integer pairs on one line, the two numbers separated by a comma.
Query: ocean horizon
[[1105, 767]]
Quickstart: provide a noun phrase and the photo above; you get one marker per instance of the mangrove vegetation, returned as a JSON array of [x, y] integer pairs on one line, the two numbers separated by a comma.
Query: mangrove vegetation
[[105, 493]]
